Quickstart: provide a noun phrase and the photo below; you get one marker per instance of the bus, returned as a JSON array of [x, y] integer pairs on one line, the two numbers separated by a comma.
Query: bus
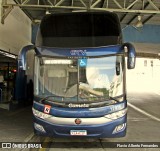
[[80, 75]]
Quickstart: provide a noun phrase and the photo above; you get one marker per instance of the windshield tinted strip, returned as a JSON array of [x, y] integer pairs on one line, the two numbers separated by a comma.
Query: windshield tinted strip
[[79, 52], [66, 104]]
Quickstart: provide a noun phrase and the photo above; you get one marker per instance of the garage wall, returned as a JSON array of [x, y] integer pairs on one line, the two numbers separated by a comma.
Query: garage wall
[[145, 76], [146, 34], [15, 32]]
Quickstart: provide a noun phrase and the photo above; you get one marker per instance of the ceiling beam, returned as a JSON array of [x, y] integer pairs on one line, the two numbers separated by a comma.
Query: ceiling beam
[[45, 2], [125, 3], [72, 2], [26, 12], [25, 2], [59, 3], [117, 3], [91, 5], [83, 3], [153, 5], [145, 6], [102, 3], [132, 4], [94, 4], [147, 19], [84, 8]]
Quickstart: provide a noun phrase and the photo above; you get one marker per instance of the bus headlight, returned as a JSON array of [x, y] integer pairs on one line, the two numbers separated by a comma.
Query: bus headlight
[[116, 115], [40, 114]]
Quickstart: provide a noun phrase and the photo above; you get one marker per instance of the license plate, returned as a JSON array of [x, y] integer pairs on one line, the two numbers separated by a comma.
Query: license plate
[[78, 132]]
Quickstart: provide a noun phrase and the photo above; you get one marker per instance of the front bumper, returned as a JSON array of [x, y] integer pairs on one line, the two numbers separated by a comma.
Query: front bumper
[[105, 130]]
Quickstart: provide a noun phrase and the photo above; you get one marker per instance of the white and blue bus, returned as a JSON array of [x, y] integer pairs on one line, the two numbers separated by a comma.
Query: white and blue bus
[[80, 75]]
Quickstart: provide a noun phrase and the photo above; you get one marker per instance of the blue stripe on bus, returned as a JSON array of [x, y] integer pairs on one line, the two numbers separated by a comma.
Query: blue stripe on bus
[[81, 112]]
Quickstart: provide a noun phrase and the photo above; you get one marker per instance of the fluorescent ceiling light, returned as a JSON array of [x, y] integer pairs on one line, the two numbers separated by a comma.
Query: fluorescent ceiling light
[[47, 12], [8, 55], [58, 61], [139, 22]]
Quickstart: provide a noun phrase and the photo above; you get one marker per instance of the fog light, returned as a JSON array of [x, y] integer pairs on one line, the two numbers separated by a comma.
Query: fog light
[[119, 128], [39, 127]]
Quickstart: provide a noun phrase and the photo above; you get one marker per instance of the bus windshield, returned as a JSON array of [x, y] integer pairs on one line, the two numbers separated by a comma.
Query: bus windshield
[[92, 79]]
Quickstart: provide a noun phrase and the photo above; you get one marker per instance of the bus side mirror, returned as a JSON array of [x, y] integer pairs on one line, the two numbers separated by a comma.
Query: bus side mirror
[[22, 57], [131, 55], [117, 68]]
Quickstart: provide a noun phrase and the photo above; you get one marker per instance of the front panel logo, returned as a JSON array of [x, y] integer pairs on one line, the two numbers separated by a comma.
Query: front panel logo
[[78, 121], [47, 109], [78, 52]]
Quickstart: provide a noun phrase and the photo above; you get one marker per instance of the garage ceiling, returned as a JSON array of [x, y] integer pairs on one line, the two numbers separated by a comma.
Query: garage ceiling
[[127, 10], [7, 57]]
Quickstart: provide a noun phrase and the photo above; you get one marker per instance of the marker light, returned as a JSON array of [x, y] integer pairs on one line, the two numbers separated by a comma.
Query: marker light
[[39, 127], [119, 128], [117, 115], [40, 114], [58, 61]]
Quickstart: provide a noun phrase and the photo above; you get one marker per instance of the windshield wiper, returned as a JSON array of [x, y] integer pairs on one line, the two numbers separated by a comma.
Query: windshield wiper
[[45, 98], [114, 98]]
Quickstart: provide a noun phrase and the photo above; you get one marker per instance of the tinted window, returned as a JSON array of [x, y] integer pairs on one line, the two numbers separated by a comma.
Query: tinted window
[[79, 30]]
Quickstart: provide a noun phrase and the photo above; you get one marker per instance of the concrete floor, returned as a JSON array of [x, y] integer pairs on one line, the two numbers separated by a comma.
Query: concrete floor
[[143, 126], [15, 126]]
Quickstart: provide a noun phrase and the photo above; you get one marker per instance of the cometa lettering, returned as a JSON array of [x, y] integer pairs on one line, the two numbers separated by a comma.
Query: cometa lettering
[[78, 105]]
